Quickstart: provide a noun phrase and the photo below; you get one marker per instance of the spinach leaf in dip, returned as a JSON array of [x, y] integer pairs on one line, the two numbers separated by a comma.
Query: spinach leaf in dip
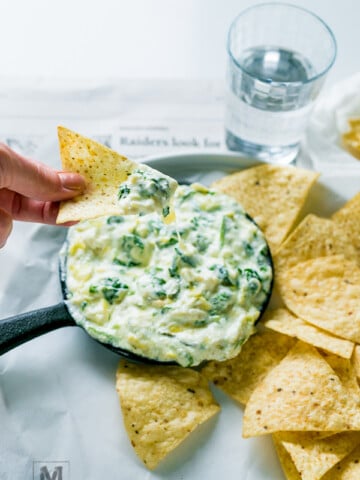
[[185, 292]]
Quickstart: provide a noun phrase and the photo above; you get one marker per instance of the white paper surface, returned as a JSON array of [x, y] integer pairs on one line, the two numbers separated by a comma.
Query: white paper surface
[[57, 393], [329, 120]]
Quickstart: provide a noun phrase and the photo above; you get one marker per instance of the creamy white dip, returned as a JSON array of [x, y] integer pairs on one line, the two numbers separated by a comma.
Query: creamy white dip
[[146, 191], [185, 292]]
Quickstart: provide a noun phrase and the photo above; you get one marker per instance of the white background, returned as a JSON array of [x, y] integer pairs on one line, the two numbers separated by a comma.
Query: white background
[[93, 39]]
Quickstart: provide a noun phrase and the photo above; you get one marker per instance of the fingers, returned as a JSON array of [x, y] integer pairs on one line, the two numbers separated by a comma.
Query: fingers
[[26, 209], [5, 227], [31, 191], [17, 207], [36, 211], [36, 180]]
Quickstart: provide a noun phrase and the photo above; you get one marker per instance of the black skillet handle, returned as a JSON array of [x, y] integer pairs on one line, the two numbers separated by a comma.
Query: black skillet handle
[[20, 328]]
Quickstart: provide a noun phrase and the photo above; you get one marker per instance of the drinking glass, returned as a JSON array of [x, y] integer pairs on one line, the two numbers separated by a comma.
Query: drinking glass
[[278, 58]]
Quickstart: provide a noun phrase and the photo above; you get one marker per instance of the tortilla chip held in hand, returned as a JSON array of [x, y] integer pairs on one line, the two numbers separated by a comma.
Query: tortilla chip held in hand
[[115, 184]]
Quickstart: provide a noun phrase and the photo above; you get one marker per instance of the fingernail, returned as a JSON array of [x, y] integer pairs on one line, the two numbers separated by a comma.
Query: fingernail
[[72, 181]]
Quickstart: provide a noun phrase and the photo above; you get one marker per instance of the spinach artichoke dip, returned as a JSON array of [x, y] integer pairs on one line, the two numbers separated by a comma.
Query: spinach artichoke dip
[[183, 292], [146, 191]]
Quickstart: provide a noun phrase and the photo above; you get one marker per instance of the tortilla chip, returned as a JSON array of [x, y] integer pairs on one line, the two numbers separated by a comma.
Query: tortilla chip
[[348, 219], [240, 376], [347, 469], [104, 171], [286, 462], [325, 292], [313, 458], [282, 321], [351, 140], [356, 361], [298, 437], [161, 406], [273, 195], [354, 123], [302, 393], [345, 370], [313, 237], [324, 434]]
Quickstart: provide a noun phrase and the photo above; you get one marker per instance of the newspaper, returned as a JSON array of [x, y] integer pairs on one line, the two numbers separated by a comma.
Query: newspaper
[[136, 118]]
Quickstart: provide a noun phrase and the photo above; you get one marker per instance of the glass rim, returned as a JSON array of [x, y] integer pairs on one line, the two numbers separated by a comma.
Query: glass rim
[[292, 7]]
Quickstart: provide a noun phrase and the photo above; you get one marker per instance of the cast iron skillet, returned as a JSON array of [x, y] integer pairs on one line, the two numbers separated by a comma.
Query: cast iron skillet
[[19, 329]]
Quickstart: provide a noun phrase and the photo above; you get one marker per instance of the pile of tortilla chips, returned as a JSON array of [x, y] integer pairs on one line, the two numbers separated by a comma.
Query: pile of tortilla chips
[[297, 378]]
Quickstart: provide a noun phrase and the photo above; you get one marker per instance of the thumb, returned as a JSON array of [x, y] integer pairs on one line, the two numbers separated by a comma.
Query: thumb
[[36, 180]]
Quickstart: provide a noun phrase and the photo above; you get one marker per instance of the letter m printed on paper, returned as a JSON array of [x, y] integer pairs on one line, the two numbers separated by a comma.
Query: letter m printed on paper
[[56, 474], [51, 470]]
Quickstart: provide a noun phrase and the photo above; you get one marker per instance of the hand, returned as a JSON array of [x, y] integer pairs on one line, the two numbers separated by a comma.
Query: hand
[[31, 191]]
